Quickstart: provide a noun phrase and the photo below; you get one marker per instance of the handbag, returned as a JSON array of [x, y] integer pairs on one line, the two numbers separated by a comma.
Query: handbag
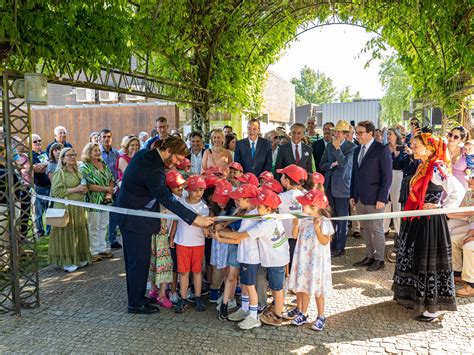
[[57, 217]]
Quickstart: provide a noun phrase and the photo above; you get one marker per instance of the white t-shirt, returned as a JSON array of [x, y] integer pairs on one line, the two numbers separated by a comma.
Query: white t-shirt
[[247, 251], [289, 204], [272, 242], [187, 235]]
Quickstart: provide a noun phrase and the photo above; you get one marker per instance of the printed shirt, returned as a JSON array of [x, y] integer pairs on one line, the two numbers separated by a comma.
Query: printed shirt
[[41, 179], [272, 242], [94, 176], [247, 251], [289, 204]]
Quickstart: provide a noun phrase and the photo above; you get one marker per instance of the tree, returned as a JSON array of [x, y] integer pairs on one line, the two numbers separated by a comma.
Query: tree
[[396, 85], [313, 87], [346, 96]]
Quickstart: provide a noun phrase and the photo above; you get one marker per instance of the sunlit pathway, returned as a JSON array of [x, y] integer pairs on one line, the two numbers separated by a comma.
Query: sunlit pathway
[[86, 312]]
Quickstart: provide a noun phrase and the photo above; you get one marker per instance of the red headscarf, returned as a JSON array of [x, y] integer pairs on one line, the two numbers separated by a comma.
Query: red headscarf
[[424, 173]]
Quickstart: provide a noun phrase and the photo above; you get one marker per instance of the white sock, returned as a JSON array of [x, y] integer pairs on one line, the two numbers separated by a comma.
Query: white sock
[[254, 311], [245, 303]]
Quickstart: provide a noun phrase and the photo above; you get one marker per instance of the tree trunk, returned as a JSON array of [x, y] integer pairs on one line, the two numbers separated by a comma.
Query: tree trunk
[[200, 119]]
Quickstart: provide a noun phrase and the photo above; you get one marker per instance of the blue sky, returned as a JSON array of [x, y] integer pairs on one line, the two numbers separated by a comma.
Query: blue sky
[[334, 50]]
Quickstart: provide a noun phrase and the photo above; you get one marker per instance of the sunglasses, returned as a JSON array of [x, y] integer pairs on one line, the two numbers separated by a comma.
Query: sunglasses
[[455, 136], [37, 141]]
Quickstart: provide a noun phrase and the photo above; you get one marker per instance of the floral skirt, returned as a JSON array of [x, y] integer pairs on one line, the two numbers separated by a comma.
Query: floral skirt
[[161, 264]]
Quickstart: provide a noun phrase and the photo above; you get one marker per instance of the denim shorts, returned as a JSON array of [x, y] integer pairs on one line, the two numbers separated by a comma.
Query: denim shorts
[[276, 277], [232, 255], [248, 274]]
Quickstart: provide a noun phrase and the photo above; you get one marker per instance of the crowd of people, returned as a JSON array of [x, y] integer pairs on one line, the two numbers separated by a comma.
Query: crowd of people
[[349, 170]]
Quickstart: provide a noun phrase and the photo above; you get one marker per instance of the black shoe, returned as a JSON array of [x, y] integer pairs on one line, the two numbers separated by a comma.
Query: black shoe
[[180, 306], [145, 309], [116, 246], [224, 311], [200, 306], [387, 234], [426, 319], [376, 265], [356, 235], [338, 254], [364, 262]]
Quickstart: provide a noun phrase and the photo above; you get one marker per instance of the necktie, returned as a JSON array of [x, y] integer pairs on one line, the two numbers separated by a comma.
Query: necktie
[[297, 155], [253, 149], [361, 155]]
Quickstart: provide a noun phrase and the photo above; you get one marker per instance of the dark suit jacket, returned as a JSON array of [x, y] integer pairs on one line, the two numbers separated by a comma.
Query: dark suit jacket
[[286, 157], [143, 181], [338, 179], [318, 150], [262, 160], [371, 180]]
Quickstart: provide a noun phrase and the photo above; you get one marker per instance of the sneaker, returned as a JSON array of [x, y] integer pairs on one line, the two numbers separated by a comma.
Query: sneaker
[[96, 258], [250, 322], [164, 302], [106, 255], [261, 309], [238, 316], [116, 246], [291, 314], [70, 268], [174, 297], [153, 294], [83, 264], [200, 306], [220, 299], [293, 302], [300, 319], [271, 318], [191, 297], [319, 323], [180, 306], [223, 312], [214, 295], [232, 305]]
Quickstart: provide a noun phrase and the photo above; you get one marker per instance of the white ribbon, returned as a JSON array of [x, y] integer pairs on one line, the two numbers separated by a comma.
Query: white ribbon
[[363, 217]]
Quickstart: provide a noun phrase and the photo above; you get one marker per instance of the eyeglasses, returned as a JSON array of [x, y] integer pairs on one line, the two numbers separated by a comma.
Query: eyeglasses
[[455, 136], [73, 155], [359, 133], [37, 141]]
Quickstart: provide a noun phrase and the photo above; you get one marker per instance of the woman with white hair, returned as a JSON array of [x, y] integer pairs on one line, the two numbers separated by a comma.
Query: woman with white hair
[[69, 246]]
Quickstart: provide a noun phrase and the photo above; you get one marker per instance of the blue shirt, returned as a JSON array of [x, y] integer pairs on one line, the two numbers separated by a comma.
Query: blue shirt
[[110, 158]]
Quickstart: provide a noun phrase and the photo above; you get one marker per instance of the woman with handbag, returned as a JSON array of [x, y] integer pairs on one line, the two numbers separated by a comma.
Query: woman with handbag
[[100, 183], [69, 245]]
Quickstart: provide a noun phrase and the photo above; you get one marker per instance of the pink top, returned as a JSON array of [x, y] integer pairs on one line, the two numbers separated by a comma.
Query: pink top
[[221, 160], [119, 172], [459, 169]]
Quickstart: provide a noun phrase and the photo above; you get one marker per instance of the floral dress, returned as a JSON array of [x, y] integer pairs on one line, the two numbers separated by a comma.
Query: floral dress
[[311, 269], [161, 263]]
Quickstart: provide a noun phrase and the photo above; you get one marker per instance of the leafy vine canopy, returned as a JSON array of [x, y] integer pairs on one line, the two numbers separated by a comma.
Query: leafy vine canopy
[[226, 45]]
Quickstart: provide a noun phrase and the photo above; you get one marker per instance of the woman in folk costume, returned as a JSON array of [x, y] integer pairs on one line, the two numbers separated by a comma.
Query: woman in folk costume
[[423, 279]]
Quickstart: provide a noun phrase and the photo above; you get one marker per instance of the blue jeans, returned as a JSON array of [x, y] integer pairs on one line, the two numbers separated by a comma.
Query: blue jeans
[[340, 207], [40, 209]]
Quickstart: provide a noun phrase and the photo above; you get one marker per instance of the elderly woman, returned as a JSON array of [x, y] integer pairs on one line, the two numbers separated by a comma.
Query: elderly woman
[[217, 155], [456, 139], [395, 145], [100, 183], [130, 145], [423, 279], [69, 246]]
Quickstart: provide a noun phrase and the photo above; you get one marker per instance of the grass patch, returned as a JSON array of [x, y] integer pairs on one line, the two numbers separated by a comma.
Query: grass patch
[[42, 247]]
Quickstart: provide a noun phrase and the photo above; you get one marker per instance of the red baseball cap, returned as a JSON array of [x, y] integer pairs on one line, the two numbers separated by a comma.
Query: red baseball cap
[[174, 179], [315, 198], [267, 198], [244, 191], [212, 170], [195, 182], [221, 193], [248, 178], [273, 185], [266, 175], [294, 172], [318, 178], [184, 163], [211, 180], [236, 166]]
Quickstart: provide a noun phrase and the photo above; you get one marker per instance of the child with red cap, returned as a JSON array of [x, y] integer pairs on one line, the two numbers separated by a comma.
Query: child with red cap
[[296, 181], [189, 242], [184, 167], [162, 268], [273, 254], [235, 171], [265, 176], [248, 178], [311, 271]]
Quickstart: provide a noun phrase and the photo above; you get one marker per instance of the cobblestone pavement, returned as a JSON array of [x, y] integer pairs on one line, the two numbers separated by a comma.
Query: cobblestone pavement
[[86, 312]]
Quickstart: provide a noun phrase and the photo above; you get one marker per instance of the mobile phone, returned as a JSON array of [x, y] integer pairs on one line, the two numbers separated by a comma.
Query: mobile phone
[[401, 148]]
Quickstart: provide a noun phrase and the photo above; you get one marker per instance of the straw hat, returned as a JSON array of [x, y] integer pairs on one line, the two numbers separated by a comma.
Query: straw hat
[[342, 125]]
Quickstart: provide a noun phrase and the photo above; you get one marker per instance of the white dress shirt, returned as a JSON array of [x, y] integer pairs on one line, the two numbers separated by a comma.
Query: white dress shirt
[[295, 147], [196, 160]]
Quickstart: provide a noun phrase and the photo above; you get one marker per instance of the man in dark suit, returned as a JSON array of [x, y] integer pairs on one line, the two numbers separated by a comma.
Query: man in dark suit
[[336, 162], [295, 152], [320, 145], [196, 152], [254, 153], [370, 186], [143, 188]]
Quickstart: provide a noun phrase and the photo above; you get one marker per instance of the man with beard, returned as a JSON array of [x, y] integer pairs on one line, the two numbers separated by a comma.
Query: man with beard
[[144, 188]]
